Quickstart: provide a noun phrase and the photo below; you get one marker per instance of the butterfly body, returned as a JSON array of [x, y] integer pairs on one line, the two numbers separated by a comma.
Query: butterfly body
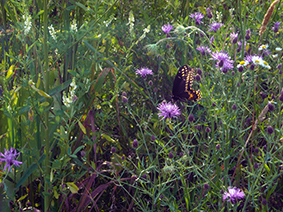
[[182, 86]]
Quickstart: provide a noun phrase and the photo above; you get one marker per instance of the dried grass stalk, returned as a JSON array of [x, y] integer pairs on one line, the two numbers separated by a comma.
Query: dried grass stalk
[[267, 17]]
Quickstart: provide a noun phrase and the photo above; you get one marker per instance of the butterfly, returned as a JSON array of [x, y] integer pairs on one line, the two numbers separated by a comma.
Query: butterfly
[[182, 86]]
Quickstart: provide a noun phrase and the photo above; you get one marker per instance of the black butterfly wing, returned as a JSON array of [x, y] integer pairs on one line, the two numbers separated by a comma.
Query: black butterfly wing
[[182, 86]]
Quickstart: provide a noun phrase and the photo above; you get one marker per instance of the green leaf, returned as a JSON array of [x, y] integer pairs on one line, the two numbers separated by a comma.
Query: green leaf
[[82, 127], [72, 186], [78, 149], [10, 72]]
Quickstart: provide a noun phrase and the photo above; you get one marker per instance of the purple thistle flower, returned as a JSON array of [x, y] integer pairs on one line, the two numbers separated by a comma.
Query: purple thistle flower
[[215, 26], [124, 99], [234, 37], [248, 34], [209, 14], [270, 130], [113, 149], [197, 77], [197, 16], [271, 106], [264, 201], [168, 110], [9, 157], [276, 26], [224, 60], [170, 155], [234, 194], [191, 118], [207, 130], [167, 28], [135, 144], [143, 72], [203, 50]]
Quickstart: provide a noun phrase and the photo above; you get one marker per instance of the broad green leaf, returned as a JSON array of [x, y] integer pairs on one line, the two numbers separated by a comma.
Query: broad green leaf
[[82, 127], [73, 188], [10, 71], [78, 149]]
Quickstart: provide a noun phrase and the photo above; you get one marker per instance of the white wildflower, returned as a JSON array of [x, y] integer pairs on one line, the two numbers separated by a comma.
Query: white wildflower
[[262, 47], [145, 31], [275, 56], [278, 49], [243, 63], [131, 23], [27, 23], [74, 26], [69, 98], [52, 32], [265, 64], [257, 60]]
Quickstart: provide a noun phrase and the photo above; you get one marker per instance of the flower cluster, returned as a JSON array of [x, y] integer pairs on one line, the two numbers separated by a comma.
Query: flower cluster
[[10, 158], [52, 32], [131, 23], [27, 26], [74, 26], [68, 100]]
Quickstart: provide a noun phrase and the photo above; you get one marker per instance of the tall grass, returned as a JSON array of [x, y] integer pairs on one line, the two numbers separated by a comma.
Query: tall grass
[[89, 129]]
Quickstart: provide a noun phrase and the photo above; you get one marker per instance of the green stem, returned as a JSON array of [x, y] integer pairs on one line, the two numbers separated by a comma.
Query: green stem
[[46, 82]]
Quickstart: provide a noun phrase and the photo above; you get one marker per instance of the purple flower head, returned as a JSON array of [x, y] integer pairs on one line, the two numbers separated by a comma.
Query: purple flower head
[[9, 157], [203, 50], [271, 106], [223, 59], [215, 26], [233, 194], [170, 155], [209, 14], [191, 118], [197, 16], [248, 34], [135, 144], [276, 26], [168, 110], [234, 37], [270, 130], [167, 28], [143, 72]]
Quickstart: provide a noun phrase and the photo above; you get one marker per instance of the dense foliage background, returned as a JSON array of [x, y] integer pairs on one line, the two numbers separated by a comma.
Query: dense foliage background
[[94, 135]]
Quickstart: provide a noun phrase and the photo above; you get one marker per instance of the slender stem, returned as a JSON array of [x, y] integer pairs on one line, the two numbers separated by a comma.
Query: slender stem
[[46, 82]]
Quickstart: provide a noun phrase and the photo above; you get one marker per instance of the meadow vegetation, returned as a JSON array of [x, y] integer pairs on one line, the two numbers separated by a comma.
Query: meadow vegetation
[[87, 118]]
